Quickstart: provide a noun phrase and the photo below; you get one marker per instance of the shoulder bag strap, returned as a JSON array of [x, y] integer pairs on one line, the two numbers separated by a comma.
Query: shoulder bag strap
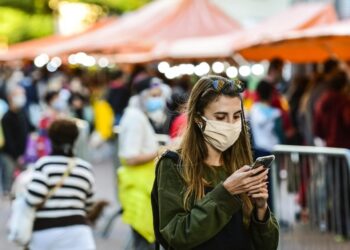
[[59, 184]]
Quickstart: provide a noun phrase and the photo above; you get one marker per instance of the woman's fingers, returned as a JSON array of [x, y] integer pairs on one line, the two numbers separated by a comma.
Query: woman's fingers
[[262, 190], [257, 170], [260, 195], [243, 169], [251, 181], [258, 188]]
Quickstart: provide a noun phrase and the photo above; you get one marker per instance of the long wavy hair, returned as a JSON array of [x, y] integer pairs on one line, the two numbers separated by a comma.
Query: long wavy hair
[[193, 149]]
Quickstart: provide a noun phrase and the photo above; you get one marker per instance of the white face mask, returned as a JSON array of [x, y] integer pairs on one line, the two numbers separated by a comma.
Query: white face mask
[[19, 101], [221, 135]]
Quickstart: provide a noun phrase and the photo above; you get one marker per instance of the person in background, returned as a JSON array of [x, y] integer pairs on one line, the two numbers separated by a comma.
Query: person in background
[[330, 67], [156, 97], [305, 111], [80, 109], [36, 90], [138, 148], [3, 173], [332, 113], [297, 89], [177, 117], [156, 108], [28, 82], [265, 120], [266, 126], [103, 117], [61, 222], [331, 124], [15, 126], [118, 95], [318, 85], [204, 201], [56, 107], [295, 93], [274, 77]]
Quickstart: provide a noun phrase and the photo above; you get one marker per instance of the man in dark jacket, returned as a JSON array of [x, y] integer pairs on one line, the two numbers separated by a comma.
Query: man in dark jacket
[[16, 129]]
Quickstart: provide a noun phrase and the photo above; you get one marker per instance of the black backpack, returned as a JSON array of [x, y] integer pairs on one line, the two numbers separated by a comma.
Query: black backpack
[[160, 241]]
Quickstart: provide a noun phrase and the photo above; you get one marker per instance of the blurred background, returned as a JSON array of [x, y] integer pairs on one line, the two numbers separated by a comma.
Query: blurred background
[[86, 59]]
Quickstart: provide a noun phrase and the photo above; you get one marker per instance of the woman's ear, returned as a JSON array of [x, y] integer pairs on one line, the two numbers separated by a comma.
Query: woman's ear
[[199, 121]]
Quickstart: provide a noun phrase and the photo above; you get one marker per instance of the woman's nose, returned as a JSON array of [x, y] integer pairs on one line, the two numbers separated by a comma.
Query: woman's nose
[[230, 120]]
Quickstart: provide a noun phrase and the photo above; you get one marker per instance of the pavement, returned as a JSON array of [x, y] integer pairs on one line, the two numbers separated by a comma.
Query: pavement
[[298, 237], [119, 236]]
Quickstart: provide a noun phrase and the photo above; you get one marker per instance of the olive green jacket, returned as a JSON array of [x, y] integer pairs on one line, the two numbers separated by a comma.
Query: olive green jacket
[[187, 229]]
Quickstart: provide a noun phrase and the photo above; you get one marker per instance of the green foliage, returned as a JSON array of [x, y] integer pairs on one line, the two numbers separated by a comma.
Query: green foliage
[[17, 25], [28, 6], [117, 6], [27, 19], [42, 6]]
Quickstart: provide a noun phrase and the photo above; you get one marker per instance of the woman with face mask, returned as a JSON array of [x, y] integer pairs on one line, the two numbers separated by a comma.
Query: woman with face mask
[[154, 105], [137, 149], [207, 196]]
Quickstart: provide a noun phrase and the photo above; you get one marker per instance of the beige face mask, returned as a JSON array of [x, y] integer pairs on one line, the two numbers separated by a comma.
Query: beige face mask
[[221, 135]]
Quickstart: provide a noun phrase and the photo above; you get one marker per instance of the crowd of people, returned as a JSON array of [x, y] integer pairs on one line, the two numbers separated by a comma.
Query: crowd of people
[[312, 109]]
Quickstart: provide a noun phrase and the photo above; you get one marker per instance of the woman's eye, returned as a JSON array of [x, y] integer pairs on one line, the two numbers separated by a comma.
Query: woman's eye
[[220, 118]]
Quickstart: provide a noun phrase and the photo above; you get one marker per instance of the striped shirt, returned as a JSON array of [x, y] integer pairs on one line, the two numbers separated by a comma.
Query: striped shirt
[[68, 205]]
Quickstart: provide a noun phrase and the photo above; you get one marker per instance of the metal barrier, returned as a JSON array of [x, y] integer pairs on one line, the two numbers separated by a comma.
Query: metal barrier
[[314, 183]]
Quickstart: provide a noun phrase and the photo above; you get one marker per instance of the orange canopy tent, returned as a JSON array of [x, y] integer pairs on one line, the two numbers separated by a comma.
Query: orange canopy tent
[[159, 21], [298, 17], [30, 49], [310, 45]]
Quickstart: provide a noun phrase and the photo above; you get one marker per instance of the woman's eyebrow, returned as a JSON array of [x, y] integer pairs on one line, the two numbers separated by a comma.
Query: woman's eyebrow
[[225, 113], [221, 113]]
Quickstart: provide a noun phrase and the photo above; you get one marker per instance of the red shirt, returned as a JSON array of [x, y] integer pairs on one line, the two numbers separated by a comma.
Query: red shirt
[[178, 125], [332, 119]]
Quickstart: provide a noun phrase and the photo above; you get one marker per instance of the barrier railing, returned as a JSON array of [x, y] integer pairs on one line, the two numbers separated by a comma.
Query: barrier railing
[[312, 184]]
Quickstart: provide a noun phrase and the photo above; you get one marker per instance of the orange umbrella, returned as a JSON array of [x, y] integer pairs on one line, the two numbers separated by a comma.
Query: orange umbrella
[[298, 17], [310, 45]]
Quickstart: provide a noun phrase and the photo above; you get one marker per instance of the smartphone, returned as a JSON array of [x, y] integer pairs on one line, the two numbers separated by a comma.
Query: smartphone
[[263, 161]]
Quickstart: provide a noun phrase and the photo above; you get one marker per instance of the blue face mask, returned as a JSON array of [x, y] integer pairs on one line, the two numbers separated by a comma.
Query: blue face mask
[[154, 104], [59, 105]]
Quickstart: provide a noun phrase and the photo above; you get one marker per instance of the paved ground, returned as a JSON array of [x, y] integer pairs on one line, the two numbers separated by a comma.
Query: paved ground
[[300, 238], [119, 235]]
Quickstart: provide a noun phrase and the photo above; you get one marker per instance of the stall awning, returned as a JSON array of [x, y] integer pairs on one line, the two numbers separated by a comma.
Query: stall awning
[[157, 22], [310, 45], [298, 17]]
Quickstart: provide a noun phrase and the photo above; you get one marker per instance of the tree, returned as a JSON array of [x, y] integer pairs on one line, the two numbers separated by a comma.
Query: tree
[[20, 19]]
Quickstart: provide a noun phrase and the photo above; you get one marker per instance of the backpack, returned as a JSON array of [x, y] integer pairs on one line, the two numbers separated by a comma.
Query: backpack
[[160, 241]]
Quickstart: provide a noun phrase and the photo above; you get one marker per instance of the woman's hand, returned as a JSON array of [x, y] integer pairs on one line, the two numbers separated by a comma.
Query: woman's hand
[[246, 180], [259, 199]]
